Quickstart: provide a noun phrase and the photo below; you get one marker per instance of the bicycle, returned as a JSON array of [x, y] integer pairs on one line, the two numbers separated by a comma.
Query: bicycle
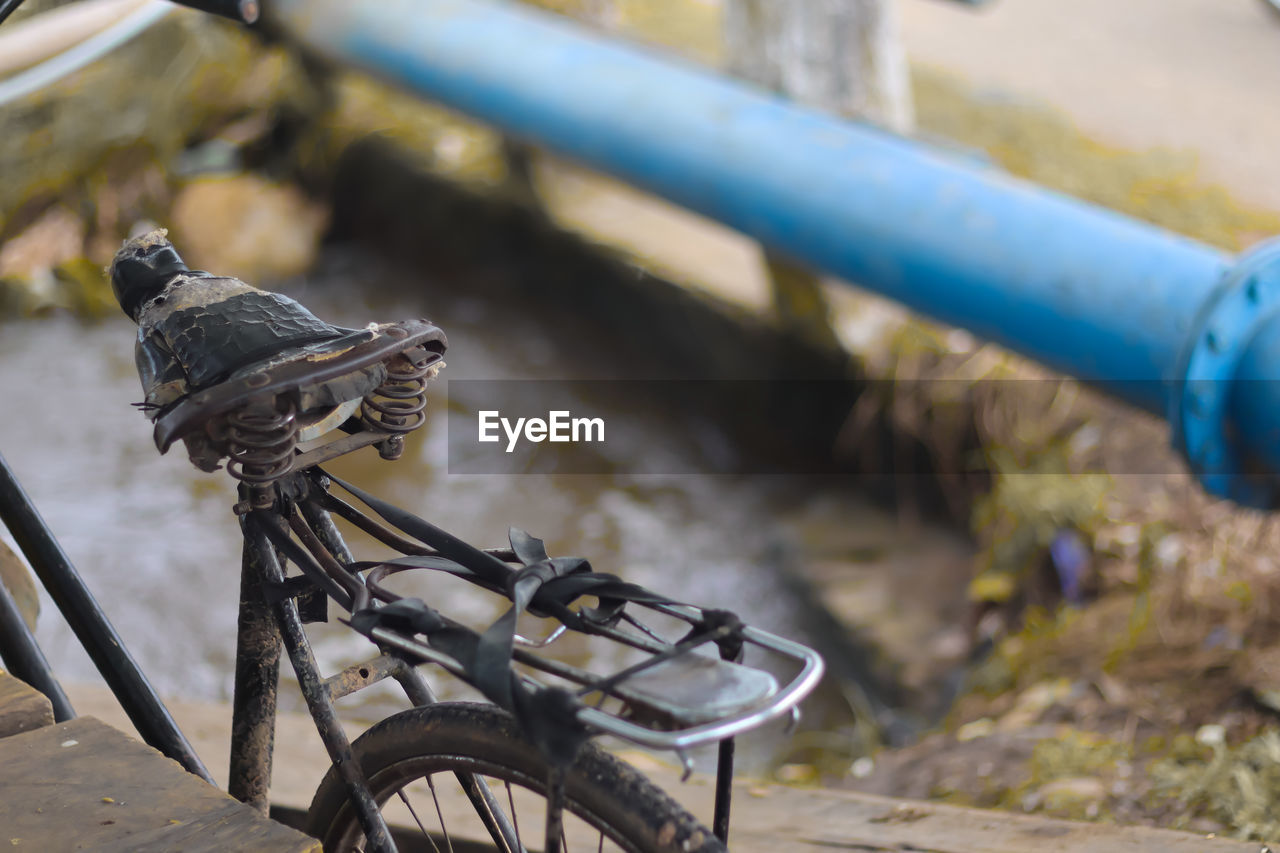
[[253, 378]]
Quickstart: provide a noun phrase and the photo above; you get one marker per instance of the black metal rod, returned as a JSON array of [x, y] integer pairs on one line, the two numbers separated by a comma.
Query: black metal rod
[[240, 11], [731, 649], [329, 727], [415, 685], [257, 679], [8, 7], [91, 626], [326, 531], [330, 538], [24, 658], [351, 584], [724, 790], [276, 528]]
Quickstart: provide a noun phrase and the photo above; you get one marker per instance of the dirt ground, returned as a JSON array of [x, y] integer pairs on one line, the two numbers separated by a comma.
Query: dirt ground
[[1189, 75], [1153, 702]]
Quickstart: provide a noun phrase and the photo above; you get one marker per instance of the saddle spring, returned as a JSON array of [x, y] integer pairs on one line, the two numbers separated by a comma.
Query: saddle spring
[[260, 439], [398, 405]]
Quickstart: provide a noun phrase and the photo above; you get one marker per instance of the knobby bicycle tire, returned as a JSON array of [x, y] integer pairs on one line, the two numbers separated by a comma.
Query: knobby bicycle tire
[[443, 739]]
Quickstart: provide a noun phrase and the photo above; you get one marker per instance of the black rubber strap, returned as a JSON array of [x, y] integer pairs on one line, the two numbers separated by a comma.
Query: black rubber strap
[[486, 566], [543, 585], [548, 716]]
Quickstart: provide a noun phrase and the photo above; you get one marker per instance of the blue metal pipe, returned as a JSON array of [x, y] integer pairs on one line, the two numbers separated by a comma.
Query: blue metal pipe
[[1088, 292]]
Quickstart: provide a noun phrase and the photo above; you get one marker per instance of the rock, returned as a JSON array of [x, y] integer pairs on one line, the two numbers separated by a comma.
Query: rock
[[54, 238], [1033, 702], [1212, 735], [976, 729], [1074, 794], [862, 767], [248, 227], [797, 774], [1268, 697]]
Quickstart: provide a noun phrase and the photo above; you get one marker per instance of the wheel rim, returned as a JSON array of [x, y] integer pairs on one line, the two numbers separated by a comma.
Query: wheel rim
[[422, 795]]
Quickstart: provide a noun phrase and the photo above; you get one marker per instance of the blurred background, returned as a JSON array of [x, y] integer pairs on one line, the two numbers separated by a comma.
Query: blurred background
[[1024, 599]]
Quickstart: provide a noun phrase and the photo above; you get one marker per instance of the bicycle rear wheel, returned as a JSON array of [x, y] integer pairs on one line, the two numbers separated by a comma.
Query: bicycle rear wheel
[[411, 760]]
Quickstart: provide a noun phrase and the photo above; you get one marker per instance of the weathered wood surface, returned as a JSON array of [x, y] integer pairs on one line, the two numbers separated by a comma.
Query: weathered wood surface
[[845, 56], [22, 707], [82, 785], [826, 820], [766, 818], [21, 585]]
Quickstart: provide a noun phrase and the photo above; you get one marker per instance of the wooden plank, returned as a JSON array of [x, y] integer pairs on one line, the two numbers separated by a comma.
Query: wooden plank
[[828, 820], [769, 819], [22, 707], [766, 818], [82, 785]]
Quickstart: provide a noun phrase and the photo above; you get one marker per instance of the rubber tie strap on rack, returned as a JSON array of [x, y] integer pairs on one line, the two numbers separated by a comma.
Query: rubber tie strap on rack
[[724, 628], [548, 716], [721, 627], [543, 585]]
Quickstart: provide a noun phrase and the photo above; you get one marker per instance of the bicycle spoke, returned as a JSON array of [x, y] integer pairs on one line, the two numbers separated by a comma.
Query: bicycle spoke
[[515, 821], [555, 810], [565, 830], [440, 813], [412, 811], [490, 813]]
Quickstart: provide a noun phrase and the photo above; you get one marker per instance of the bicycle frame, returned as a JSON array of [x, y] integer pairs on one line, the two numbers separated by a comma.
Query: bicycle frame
[[272, 615], [273, 609], [252, 378], [262, 629]]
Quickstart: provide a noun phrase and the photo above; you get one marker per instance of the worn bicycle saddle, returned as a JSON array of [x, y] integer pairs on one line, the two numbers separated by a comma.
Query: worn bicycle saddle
[[242, 373], [196, 329]]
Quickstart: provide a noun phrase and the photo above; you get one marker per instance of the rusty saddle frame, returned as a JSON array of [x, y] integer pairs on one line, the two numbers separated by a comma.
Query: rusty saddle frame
[[674, 699]]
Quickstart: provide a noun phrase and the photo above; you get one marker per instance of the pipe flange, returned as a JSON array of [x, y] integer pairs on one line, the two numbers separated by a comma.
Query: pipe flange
[[1199, 411]]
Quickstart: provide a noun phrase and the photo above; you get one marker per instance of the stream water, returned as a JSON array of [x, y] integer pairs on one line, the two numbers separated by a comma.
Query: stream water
[[156, 540]]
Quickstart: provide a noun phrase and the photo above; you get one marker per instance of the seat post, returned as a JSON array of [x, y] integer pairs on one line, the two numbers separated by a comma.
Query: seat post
[[257, 679]]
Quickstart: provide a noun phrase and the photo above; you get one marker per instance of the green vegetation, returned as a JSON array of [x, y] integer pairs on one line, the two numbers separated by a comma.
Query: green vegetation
[[1042, 145], [1239, 787]]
